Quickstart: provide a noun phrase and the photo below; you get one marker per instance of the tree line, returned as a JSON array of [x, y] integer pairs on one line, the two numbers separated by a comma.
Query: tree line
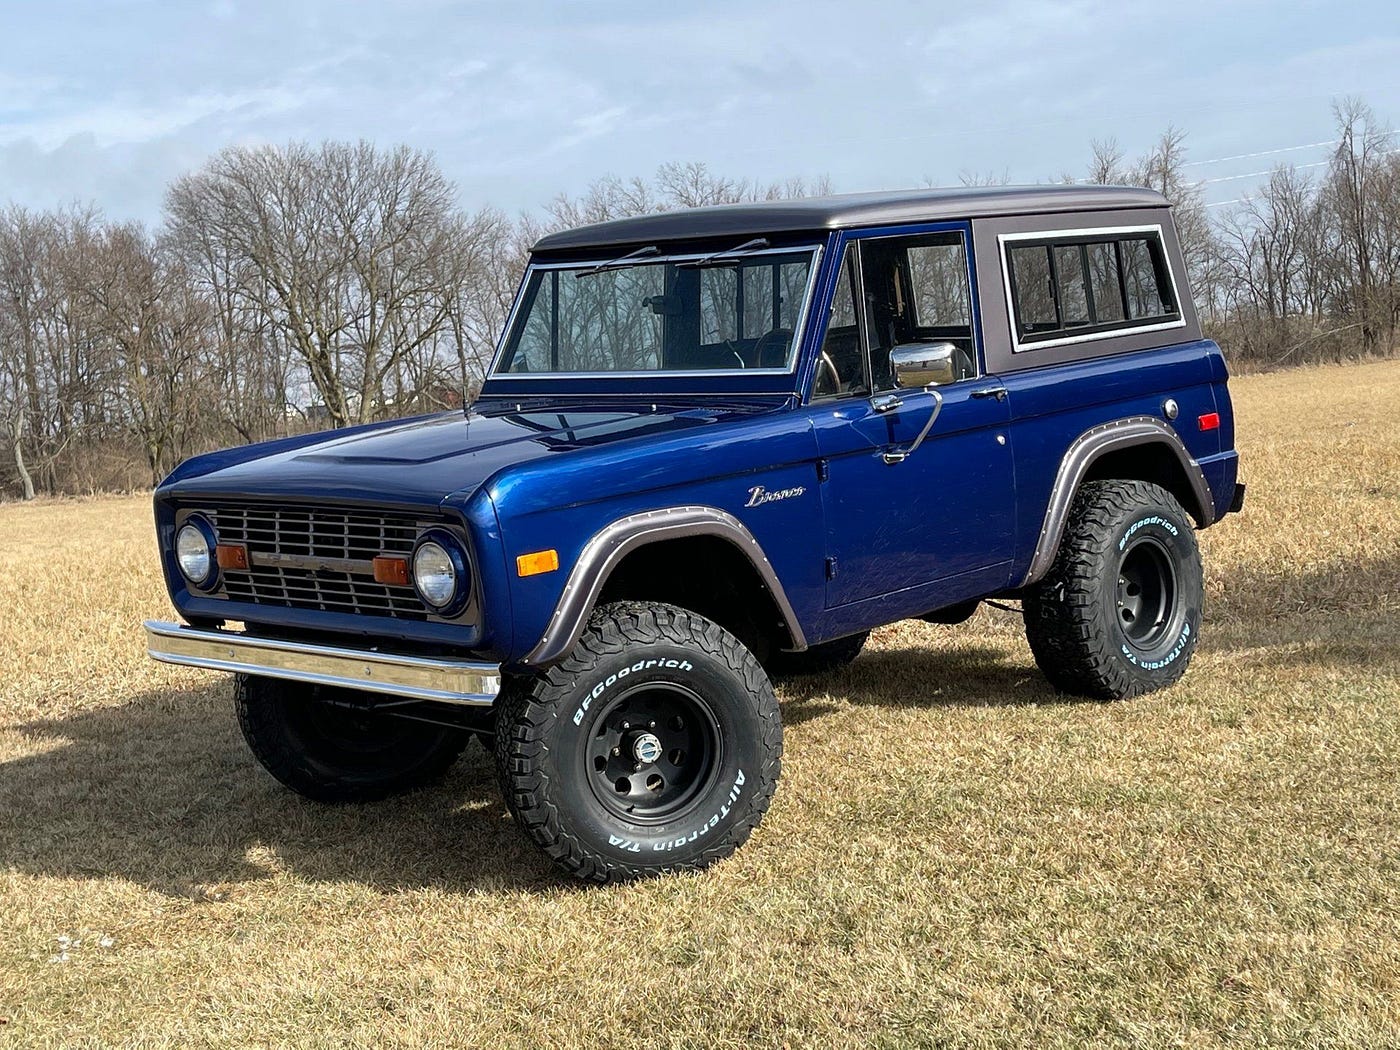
[[307, 286]]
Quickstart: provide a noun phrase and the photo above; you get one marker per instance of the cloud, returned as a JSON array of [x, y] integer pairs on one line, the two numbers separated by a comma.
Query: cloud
[[116, 122], [519, 103]]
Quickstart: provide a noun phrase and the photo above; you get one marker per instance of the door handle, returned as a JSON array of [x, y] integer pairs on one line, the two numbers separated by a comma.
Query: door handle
[[998, 392], [886, 402]]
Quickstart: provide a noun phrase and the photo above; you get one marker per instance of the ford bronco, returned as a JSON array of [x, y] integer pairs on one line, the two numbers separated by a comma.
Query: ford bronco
[[716, 447]]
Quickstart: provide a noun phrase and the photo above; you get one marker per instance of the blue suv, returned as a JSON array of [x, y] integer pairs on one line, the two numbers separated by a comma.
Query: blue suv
[[716, 447]]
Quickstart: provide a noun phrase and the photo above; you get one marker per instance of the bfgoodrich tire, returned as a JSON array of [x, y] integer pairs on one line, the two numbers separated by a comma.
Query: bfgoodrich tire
[[334, 753], [1119, 612], [654, 746]]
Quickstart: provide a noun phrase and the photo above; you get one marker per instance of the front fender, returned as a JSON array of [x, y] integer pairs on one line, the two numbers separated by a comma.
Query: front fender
[[611, 544]]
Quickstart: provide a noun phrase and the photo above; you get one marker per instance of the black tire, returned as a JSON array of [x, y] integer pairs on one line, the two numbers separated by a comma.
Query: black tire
[[816, 659], [332, 753], [1119, 612], [607, 815]]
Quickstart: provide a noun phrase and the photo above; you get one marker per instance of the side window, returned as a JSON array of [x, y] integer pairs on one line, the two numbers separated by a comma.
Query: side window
[[1035, 291], [1103, 281], [1146, 292], [938, 273], [916, 290], [841, 366], [1070, 287], [1074, 291]]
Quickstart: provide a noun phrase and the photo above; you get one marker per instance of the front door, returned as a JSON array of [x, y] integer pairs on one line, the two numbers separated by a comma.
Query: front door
[[917, 527]]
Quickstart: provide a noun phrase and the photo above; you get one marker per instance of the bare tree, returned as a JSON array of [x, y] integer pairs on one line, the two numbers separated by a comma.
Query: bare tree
[[1359, 198], [339, 248]]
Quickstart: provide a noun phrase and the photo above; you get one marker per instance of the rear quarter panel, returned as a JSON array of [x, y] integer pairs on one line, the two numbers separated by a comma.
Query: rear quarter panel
[[1058, 393]]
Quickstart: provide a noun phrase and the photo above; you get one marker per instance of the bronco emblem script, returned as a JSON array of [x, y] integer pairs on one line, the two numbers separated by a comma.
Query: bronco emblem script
[[758, 495]]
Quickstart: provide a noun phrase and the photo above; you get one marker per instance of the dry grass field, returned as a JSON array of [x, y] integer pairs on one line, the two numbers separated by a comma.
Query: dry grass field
[[956, 856]]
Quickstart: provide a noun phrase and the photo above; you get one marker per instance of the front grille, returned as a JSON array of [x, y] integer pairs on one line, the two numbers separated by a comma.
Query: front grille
[[279, 536]]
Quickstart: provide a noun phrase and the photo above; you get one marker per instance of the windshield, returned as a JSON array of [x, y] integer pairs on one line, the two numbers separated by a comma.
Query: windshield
[[661, 314]]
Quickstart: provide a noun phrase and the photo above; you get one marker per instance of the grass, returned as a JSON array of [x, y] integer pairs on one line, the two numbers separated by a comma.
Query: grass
[[956, 856]]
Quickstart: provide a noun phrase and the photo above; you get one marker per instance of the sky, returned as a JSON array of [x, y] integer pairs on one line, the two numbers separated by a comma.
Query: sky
[[106, 102]]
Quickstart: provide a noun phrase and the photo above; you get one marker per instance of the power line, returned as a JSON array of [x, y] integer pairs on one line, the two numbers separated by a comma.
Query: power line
[[1262, 174], [1261, 153], [1259, 174], [1274, 152]]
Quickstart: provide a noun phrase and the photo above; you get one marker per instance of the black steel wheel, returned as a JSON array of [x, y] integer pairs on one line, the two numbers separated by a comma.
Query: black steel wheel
[[1145, 597], [654, 752], [321, 744], [1119, 612], [654, 746]]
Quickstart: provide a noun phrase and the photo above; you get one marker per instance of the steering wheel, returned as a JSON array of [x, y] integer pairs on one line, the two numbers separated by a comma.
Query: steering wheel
[[774, 341], [827, 366], [734, 349]]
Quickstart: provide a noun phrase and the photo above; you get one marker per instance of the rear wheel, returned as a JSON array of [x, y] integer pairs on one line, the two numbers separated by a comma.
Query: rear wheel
[[1119, 612], [654, 746], [319, 743]]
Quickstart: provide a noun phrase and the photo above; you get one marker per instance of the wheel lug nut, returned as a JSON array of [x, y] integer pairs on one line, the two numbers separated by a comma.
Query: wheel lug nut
[[651, 725], [617, 751], [626, 725]]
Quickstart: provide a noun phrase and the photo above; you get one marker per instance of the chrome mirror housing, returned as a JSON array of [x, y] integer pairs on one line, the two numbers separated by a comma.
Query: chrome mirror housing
[[919, 365]]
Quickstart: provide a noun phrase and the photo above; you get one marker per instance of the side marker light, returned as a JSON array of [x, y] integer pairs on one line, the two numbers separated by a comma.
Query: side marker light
[[536, 563]]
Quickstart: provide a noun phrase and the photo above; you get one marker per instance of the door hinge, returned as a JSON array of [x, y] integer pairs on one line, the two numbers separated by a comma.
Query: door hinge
[[823, 469], [831, 568]]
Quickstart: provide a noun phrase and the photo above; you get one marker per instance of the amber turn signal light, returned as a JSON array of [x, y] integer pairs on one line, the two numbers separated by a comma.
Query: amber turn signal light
[[231, 556], [393, 571], [536, 563]]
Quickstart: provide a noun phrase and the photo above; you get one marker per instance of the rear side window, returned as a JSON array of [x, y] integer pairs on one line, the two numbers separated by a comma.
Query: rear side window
[[1066, 287]]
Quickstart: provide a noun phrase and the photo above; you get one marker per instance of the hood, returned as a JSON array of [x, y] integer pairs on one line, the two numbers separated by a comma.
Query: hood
[[426, 460]]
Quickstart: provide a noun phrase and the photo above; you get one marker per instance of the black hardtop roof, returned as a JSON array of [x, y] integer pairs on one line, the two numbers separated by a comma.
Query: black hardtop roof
[[845, 210]]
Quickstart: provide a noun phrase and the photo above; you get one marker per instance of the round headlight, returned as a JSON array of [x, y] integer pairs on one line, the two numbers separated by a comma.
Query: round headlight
[[434, 574], [192, 551]]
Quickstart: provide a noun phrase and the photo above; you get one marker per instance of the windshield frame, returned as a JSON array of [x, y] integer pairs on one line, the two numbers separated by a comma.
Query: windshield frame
[[814, 249]]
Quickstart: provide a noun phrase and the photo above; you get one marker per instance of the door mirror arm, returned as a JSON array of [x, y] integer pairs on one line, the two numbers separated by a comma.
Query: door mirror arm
[[899, 455]]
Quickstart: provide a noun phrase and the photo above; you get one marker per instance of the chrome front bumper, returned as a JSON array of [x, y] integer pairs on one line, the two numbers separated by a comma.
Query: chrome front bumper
[[418, 677]]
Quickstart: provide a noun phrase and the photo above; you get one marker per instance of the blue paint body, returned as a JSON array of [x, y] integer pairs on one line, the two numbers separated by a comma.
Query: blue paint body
[[533, 466]]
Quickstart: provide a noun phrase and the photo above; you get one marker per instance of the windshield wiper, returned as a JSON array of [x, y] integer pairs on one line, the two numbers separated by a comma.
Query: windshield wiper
[[621, 261], [747, 246]]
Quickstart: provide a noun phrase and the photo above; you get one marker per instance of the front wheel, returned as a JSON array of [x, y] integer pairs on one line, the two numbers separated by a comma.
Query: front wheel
[[1119, 612], [654, 746], [317, 741]]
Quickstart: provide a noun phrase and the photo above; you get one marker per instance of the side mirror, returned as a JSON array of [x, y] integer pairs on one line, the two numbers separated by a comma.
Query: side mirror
[[918, 365]]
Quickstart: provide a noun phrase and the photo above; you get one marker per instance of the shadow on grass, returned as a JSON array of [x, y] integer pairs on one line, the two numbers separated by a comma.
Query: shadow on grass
[[162, 791], [913, 677], [1339, 600]]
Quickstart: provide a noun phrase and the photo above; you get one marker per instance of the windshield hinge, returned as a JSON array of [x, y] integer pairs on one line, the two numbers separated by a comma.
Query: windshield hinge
[[823, 469], [831, 568]]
